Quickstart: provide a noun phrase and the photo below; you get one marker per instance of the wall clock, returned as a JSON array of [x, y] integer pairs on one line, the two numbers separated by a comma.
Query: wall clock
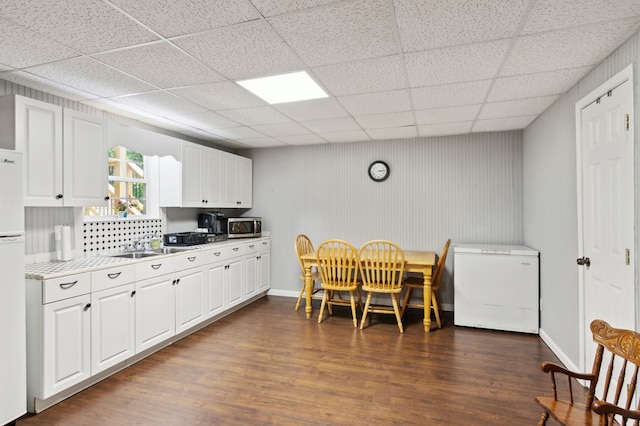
[[378, 171]]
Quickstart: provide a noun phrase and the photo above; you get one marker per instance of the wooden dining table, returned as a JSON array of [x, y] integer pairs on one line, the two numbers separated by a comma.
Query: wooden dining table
[[415, 261]]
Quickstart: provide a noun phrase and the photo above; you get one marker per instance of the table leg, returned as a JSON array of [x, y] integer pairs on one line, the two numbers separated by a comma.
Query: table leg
[[308, 285], [427, 301]]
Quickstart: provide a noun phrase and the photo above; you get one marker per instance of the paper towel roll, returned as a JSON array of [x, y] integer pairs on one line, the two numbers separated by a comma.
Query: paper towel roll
[[58, 241], [66, 243]]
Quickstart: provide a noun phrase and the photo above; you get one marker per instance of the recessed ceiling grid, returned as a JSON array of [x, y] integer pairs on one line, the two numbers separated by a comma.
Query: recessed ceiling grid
[[394, 69]]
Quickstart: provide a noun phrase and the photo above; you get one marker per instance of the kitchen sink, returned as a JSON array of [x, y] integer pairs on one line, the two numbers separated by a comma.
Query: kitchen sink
[[137, 254], [168, 250]]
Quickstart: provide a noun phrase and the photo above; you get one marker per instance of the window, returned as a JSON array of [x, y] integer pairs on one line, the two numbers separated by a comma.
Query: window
[[128, 185]]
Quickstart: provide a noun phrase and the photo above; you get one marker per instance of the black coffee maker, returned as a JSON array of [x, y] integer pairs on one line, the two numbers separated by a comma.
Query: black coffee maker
[[213, 222]]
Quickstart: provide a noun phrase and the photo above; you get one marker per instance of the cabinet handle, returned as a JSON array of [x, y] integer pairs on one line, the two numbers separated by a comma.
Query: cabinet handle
[[216, 253], [59, 196], [87, 306], [236, 248], [252, 245], [133, 293], [191, 259], [156, 266], [66, 286], [259, 257], [178, 281], [264, 243], [238, 202], [114, 275], [226, 266], [107, 198]]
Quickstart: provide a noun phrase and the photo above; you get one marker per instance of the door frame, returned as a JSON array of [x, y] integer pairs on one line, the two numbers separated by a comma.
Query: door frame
[[625, 75]]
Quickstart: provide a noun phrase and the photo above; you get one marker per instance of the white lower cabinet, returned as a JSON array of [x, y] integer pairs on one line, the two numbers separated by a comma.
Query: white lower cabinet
[[189, 300], [155, 311], [233, 282], [112, 326], [67, 343]]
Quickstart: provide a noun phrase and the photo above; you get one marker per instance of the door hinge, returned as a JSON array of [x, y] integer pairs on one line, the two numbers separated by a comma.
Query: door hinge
[[627, 257], [626, 122]]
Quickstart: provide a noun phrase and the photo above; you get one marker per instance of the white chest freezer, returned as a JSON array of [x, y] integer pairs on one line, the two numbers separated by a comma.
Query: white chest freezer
[[496, 287]]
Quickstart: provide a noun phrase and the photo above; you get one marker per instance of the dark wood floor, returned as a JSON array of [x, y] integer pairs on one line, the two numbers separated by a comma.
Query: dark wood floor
[[267, 364]]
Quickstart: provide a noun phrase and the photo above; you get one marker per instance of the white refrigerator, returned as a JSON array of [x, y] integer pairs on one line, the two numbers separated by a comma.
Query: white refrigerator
[[496, 287], [13, 370]]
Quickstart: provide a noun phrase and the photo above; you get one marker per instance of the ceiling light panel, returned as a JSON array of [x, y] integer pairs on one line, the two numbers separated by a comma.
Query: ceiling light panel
[[290, 87]]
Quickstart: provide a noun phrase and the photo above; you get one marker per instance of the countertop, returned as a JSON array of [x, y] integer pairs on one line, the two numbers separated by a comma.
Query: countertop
[[55, 269]]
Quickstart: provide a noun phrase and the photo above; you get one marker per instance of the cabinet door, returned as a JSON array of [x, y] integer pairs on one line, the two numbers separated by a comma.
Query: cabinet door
[[251, 276], [234, 281], [155, 311], [38, 135], [85, 160], [215, 300], [112, 326], [244, 182], [213, 183], [193, 190], [229, 178], [67, 343], [189, 298], [264, 281]]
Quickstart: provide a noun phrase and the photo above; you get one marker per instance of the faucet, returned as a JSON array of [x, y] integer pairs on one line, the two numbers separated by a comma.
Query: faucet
[[140, 242]]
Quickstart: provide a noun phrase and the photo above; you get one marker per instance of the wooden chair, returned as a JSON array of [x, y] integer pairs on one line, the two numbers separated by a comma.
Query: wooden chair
[[304, 246], [381, 268], [411, 283], [338, 264], [598, 410]]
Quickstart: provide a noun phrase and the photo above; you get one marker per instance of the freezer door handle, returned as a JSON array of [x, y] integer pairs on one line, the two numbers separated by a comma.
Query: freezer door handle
[[584, 261]]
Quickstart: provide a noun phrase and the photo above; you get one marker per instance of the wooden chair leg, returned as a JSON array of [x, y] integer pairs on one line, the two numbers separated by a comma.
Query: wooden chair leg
[[365, 310], [436, 309], [353, 309], [407, 297], [396, 310], [300, 296], [324, 302], [543, 419]]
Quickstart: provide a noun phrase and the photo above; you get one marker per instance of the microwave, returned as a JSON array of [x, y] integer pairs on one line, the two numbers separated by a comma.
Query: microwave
[[244, 227]]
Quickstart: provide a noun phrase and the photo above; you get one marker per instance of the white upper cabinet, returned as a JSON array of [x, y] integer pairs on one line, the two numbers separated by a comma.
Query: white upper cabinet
[[236, 178], [85, 153], [64, 153]]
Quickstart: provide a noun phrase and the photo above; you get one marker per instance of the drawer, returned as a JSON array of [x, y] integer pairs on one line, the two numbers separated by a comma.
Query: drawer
[[250, 248], [65, 287], [190, 260], [218, 254], [112, 277], [155, 267], [264, 245], [235, 250]]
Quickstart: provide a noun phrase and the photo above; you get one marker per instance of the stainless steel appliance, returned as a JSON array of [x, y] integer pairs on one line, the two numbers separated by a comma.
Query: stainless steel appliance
[[185, 239], [213, 222], [244, 227], [13, 367]]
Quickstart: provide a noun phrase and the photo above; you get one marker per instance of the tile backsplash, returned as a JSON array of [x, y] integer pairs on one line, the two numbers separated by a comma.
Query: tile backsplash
[[109, 236]]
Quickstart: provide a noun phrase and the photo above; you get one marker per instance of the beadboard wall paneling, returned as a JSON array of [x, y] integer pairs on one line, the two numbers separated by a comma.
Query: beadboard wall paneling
[[550, 213], [467, 188]]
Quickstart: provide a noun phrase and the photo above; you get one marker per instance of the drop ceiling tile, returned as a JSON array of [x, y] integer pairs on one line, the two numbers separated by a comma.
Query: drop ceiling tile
[[352, 136], [379, 121], [237, 133], [207, 120], [443, 129], [447, 115], [450, 94], [405, 132], [340, 32], [22, 48], [376, 103], [277, 7], [160, 64], [368, 75], [342, 124], [255, 116], [219, 96], [308, 139], [315, 109], [5, 67], [537, 84], [281, 129], [176, 17], [47, 86], [455, 64], [503, 124], [88, 26], [429, 24], [547, 15], [572, 48], [240, 51], [263, 142], [160, 103], [89, 75], [516, 108]]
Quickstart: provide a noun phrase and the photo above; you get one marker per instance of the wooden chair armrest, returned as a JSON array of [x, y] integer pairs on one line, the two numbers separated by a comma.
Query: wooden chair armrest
[[603, 407], [550, 367]]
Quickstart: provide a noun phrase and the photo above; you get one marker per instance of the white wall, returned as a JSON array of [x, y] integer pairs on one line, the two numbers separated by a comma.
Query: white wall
[[550, 202], [468, 188]]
